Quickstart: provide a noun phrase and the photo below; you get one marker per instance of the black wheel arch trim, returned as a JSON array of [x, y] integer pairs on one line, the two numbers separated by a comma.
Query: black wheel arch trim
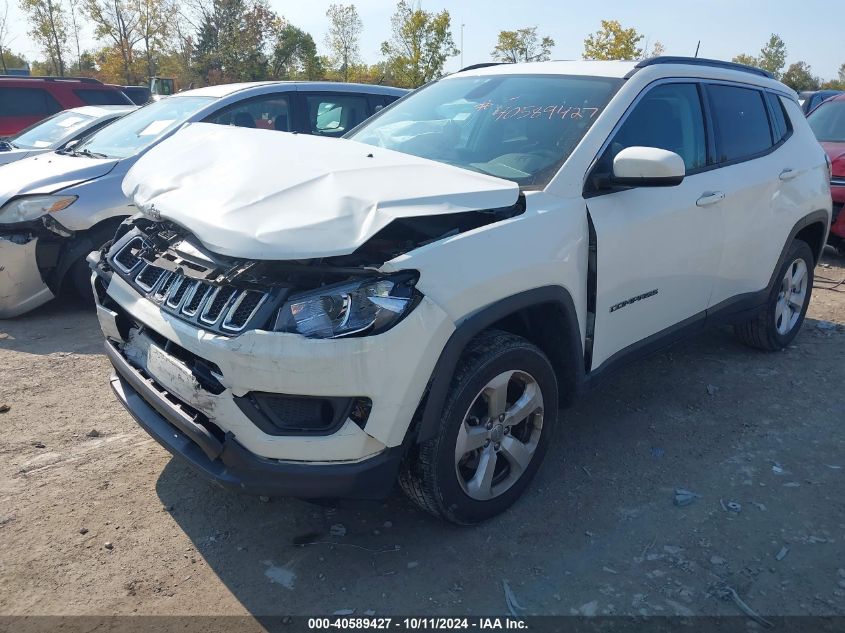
[[816, 217], [481, 320]]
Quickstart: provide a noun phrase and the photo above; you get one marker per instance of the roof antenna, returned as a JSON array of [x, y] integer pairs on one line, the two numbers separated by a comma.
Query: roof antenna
[[697, 47]]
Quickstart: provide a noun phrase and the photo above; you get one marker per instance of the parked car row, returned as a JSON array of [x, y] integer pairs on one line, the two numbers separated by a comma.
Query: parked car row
[[301, 316], [26, 100], [57, 207], [828, 124]]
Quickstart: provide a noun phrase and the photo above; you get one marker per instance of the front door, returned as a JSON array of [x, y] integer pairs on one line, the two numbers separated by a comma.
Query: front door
[[657, 248]]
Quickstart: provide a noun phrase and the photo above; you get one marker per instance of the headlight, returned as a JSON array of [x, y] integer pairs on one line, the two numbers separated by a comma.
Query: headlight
[[33, 207], [369, 306]]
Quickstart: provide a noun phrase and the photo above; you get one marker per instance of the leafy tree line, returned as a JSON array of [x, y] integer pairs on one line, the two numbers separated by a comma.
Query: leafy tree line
[[203, 42], [798, 76]]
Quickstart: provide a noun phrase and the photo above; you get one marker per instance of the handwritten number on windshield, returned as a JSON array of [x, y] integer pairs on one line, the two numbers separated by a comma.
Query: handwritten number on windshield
[[501, 113]]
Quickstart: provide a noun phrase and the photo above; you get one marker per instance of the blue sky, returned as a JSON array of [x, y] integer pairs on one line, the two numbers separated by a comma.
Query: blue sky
[[812, 29]]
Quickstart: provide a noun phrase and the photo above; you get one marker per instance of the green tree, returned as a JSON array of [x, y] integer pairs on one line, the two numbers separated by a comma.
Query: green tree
[[234, 41], [522, 45], [773, 55], [799, 76], [295, 55], [343, 37], [48, 27], [420, 44], [613, 42], [117, 23], [156, 19], [748, 60], [657, 50]]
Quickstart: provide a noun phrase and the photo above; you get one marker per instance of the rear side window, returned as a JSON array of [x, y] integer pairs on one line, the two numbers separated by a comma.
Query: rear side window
[[334, 115], [780, 121], [96, 96], [668, 117], [740, 120], [27, 102]]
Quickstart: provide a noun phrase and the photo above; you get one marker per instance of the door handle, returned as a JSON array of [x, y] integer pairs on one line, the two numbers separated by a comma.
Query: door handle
[[788, 174], [710, 198]]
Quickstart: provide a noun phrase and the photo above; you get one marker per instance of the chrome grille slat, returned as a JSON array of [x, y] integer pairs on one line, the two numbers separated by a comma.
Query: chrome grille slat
[[148, 277], [124, 259], [195, 298], [227, 310], [217, 304], [236, 322]]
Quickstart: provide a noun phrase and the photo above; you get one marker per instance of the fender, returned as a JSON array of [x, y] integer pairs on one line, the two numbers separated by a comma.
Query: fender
[[478, 322]]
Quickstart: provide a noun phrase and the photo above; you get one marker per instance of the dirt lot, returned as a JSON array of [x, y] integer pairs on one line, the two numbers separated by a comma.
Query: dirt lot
[[95, 518]]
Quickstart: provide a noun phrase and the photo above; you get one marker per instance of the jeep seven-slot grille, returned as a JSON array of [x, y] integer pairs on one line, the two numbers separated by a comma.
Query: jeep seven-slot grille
[[225, 309]]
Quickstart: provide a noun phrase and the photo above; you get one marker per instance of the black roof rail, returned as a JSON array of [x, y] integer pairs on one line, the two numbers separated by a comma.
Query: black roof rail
[[700, 61], [84, 80], [482, 65]]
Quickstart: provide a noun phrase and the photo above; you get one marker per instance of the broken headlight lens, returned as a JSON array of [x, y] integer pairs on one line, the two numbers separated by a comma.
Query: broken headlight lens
[[33, 207], [369, 306]]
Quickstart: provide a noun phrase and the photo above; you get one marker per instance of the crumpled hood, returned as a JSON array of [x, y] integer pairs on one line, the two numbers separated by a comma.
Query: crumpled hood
[[836, 153], [273, 195], [49, 172]]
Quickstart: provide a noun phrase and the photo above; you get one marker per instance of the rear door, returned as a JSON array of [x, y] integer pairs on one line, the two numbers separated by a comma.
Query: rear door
[[751, 160], [657, 248], [271, 111]]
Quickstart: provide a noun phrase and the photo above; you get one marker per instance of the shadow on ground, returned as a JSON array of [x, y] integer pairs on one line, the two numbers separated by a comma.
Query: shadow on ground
[[600, 509]]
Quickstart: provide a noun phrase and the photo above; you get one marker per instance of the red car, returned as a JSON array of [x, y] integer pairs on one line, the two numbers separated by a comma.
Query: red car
[[828, 124], [27, 100]]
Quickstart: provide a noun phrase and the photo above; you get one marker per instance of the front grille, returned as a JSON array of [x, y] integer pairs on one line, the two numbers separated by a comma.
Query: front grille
[[126, 259], [224, 309], [838, 181]]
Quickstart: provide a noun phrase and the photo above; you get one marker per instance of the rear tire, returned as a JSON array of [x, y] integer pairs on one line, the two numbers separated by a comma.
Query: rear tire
[[495, 429], [774, 327]]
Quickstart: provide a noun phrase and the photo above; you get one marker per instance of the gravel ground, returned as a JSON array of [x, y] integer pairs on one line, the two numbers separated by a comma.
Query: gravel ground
[[95, 518]]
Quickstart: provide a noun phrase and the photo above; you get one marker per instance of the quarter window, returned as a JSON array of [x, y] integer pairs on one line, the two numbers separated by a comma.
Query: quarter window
[[780, 122], [740, 121], [668, 117], [334, 115]]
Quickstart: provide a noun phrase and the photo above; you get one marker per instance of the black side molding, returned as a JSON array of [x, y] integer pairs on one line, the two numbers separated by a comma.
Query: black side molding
[[480, 321]]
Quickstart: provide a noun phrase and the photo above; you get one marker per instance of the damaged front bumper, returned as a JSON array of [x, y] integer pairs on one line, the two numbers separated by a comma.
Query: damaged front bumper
[[230, 465], [196, 388], [22, 287]]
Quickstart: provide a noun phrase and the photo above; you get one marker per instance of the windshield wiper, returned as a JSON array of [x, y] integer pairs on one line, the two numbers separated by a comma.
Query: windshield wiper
[[8, 145], [87, 152]]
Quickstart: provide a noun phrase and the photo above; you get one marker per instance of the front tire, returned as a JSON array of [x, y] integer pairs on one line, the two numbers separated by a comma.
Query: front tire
[[495, 430], [774, 327]]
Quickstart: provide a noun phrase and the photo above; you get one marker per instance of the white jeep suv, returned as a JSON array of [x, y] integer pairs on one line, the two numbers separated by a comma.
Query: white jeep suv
[[416, 301]]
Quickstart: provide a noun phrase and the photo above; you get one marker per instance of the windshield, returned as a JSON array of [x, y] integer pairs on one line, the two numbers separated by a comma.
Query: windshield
[[828, 121], [140, 129], [51, 132], [517, 127]]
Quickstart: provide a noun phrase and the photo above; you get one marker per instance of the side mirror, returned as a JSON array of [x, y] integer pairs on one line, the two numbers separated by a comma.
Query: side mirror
[[648, 167]]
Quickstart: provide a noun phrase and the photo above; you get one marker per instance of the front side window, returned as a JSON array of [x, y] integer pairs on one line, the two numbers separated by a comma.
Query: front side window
[[27, 102], [828, 121], [50, 132], [740, 121], [141, 128], [667, 117], [268, 112], [334, 115], [518, 127]]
